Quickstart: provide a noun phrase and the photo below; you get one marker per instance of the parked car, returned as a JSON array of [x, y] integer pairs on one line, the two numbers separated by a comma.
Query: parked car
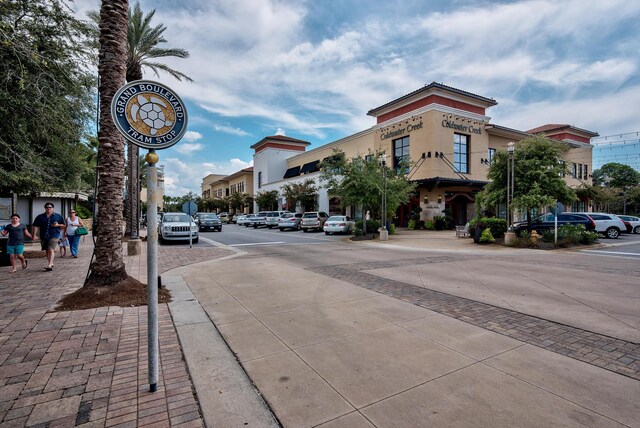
[[313, 220], [547, 222], [610, 225], [209, 221], [248, 221], [634, 222], [224, 217], [239, 219], [175, 226], [338, 224], [290, 221], [272, 218], [259, 219]]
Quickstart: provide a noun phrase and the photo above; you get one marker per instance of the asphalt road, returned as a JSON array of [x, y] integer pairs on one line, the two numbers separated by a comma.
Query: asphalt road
[[240, 236]]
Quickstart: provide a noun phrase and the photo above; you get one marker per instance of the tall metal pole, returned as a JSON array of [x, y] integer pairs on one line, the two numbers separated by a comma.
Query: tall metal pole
[[510, 182], [152, 268]]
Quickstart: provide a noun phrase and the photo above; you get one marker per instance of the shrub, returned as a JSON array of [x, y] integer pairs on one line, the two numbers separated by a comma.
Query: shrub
[[570, 234], [392, 229], [440, 222], [82, 212], [411, 225], [486, 237], [357, 232], [498, 226], [429, 225], [372, 225]]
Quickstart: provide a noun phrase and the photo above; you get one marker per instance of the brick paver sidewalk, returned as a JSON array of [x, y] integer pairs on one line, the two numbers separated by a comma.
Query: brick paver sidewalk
[[89, 367]]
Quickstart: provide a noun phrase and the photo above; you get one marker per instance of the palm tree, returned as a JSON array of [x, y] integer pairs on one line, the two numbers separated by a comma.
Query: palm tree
[[108, 267], [143, 43]]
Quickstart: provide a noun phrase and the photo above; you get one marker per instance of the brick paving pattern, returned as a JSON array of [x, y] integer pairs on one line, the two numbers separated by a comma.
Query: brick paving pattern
[[89, 368], [610, 353]]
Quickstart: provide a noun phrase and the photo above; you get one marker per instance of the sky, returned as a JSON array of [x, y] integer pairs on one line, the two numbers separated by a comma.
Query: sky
[[312, 69]]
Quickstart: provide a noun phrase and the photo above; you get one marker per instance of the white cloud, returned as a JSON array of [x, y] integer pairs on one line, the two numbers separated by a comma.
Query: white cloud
[[191, 136], [227, 129], [188, 148]]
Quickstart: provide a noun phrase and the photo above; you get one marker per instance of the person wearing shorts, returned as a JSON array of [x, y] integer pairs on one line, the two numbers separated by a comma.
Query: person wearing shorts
[[15, 245], [50, 224]]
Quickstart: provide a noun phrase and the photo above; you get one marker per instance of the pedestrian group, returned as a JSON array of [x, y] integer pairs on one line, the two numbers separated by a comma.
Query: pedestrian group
[[55, 231]]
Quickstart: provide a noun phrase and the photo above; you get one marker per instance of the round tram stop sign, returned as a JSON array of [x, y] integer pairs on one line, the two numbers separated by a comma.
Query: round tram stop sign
[[149, 114]]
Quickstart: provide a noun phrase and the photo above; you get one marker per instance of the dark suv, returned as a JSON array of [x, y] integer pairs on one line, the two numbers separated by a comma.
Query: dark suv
[[547, 221]]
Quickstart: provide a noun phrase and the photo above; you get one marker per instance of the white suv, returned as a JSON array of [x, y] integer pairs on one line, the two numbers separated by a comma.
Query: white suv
[[610, 225], [313, 220], [175, 226], [272, 218]]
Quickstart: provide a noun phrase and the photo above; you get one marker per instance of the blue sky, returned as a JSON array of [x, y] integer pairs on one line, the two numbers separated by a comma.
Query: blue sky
[[314, 68]]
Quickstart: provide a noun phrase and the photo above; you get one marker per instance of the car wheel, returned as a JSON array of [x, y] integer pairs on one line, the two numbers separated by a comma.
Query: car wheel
[[281, 229], [304, 230], [195, 241], [255, 226], [219, 229], [612, 233], [269, 227], [636, 229], [326, 233]]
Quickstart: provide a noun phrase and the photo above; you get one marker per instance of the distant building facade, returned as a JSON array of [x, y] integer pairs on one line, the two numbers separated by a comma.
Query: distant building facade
[[445, 135]]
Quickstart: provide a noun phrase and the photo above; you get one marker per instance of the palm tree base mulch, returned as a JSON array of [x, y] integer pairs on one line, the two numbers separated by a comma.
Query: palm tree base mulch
[[126, 293]]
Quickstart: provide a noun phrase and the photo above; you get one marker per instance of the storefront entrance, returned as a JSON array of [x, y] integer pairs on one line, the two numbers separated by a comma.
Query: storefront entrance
[[459, 204]]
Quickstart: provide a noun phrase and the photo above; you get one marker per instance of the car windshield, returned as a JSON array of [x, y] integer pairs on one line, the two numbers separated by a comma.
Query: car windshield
[[176, 218], [310, 215], [288, 215], [337, 218], [208, 216]]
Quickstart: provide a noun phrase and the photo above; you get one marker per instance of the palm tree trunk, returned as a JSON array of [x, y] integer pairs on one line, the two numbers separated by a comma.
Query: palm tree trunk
[[108, 267], [132, 208]]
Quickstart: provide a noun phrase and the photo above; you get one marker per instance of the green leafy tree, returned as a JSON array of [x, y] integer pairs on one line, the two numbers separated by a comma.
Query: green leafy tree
[[538, 171], [267, 200], [359, 182], [236, 202], [305, 194], [46, 98], [616, 175]]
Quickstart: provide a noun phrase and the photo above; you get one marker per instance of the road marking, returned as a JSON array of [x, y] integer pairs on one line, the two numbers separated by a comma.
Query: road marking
[[616, 253], [256, 243]]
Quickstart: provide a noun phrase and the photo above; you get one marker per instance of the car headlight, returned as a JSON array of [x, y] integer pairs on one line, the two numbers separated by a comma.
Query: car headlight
[[166, 228], [194, 228]]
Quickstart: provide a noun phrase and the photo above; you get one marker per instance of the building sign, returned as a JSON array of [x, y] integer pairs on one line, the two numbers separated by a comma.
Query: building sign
[[458, 127], [410, 127], [149, 114]]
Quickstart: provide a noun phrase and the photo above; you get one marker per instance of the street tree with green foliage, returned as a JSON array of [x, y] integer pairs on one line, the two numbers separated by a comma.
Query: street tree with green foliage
[[304, 194], [267, 200], [538, 172], [616, 175], [46, 98], [359, 182]]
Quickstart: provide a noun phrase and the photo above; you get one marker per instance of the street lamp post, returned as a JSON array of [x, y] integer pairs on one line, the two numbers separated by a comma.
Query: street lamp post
[[510, 236], [384, 233], [510, 182]]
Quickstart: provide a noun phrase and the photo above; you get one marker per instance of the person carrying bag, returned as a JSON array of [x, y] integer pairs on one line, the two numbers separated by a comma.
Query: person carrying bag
[[73, 231]]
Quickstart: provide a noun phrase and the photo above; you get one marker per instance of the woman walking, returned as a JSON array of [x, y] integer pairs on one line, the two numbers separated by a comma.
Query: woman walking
[[72, 223]]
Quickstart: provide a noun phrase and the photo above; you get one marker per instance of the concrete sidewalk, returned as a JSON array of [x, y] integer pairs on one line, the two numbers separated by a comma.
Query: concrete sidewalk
[[362, 344], [348, 346]]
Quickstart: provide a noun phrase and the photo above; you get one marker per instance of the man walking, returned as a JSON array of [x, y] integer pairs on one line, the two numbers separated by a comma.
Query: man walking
[[49, 223]]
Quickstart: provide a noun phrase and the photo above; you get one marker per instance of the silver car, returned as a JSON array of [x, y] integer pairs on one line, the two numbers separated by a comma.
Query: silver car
[[272, 218], [313, 220], [290, 221]]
